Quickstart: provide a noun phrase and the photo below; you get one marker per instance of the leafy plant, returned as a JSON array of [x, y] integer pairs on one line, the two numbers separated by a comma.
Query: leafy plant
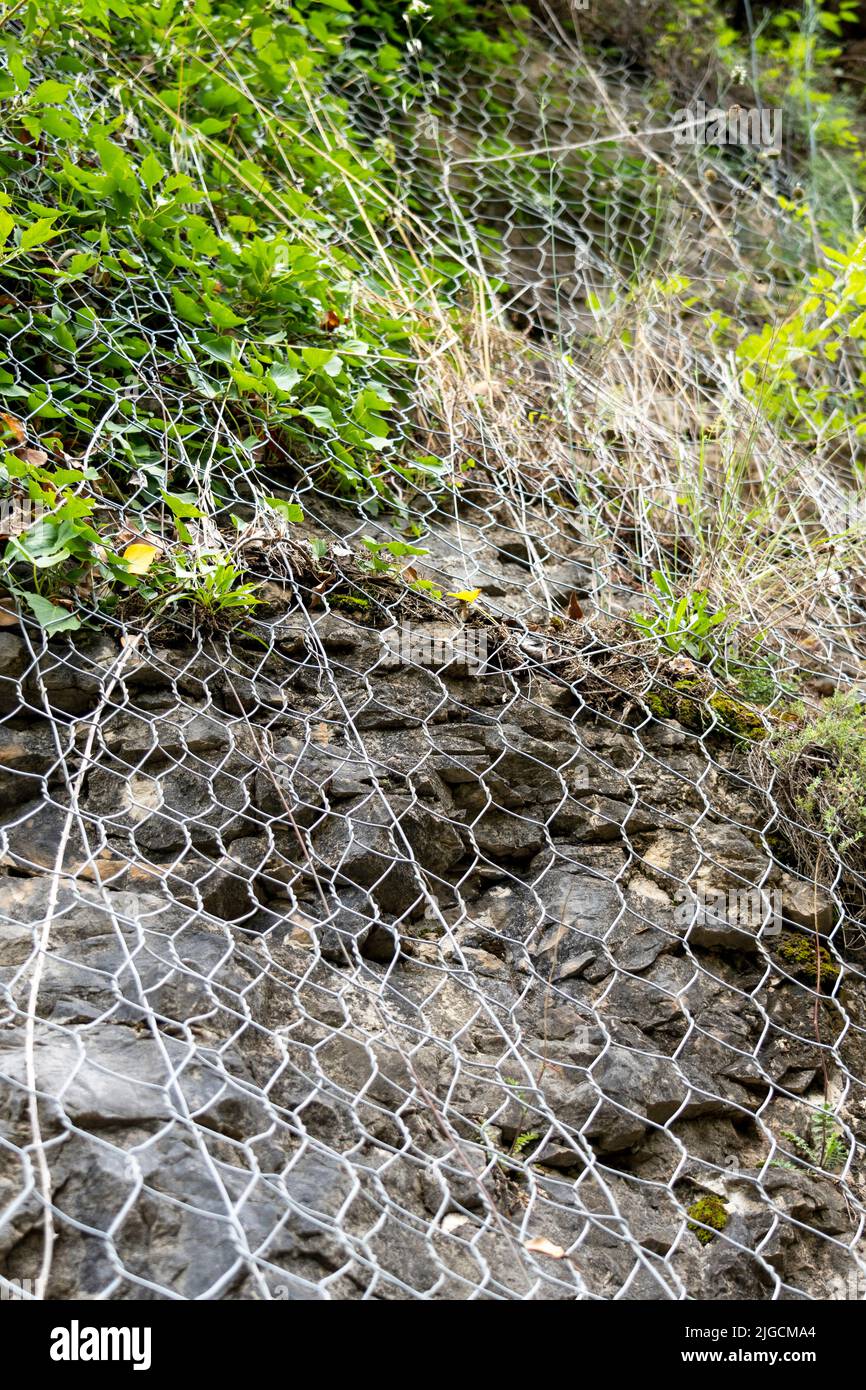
[[176, 249], [826, 1147], [524, 1139], [801, 371], [684, 623], [209, 582], [821, 766], [383, 555]]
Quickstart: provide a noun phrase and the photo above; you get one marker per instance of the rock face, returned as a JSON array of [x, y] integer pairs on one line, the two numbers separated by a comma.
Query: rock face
[[350, 977]]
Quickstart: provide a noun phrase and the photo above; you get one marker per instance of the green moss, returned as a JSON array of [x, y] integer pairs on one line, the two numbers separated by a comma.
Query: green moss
[[709, 1211], [348, 601], [696, 705], [661, 707], [738, 718], [799, 955]]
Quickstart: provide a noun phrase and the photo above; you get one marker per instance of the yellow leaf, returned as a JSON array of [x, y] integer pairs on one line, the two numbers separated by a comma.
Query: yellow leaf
[[139, 557], [466, 595], [14, 427]]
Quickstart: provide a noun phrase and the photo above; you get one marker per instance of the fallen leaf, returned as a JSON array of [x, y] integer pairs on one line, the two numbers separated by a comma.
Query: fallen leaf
[[8, 616], [14, 426], [409, 574], [139, 557], [681, 666], [574, 610], [35, 457], [331, 321], [542, 1246], [466, 595]]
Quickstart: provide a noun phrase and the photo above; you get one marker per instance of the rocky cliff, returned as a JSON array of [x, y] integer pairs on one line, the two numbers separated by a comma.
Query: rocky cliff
[[340, 974]]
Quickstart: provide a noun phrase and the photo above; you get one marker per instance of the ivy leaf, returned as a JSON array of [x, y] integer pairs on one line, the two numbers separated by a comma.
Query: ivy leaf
[[151, 171], [49, 616], [187, 307], [221, 314], [284, 377], [291, 511], [181, 508], [38, 232], [54, 92]]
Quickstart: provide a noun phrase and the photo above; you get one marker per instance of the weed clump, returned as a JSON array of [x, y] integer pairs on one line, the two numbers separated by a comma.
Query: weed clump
[[820, 762]]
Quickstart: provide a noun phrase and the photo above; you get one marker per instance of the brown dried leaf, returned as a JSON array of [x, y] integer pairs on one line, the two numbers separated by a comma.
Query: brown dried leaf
[[14, 426]]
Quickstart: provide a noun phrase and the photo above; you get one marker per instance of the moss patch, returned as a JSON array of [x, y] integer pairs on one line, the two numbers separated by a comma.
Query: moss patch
[[698, 705], [800, 956], [738, 718], [709, 1211]]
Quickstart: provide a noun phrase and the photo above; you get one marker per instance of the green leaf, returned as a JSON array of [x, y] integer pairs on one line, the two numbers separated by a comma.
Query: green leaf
[[181, 507], [151, 171], [291, 511], [221, 314], [20, 74], [54, 92], [284, 377], [49, 616], [315, 358], [38, 232], [319, 415], [187, 307]]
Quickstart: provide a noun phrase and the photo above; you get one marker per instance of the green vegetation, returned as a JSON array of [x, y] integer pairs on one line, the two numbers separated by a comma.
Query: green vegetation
[[683, 623], [252, 254], [793, 369], [708, 1215], [194, 279], [825, 1148], [698, 705], [820, 760], [801, 956]]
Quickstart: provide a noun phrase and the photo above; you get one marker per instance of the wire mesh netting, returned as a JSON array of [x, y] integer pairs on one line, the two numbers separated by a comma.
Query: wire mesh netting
[[392, 946]]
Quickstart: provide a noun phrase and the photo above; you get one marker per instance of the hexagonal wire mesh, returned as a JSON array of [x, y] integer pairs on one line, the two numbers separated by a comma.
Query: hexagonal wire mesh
[[370, 952]]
